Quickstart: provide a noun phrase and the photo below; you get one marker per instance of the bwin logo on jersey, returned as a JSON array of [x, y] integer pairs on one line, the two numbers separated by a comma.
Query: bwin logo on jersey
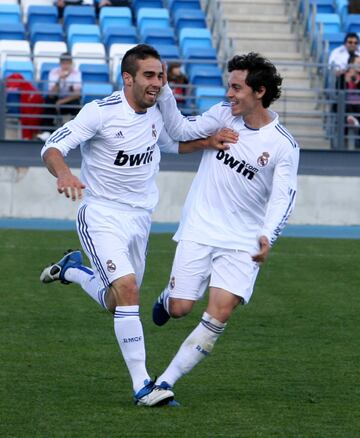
[[134, 159], [241, 167]]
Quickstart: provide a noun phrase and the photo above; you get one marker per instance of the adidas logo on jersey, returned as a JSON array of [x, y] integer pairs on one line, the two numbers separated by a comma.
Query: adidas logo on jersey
[[119, 134]]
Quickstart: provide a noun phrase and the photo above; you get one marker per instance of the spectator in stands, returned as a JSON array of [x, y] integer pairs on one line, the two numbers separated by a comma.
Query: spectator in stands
[[124, 3], [62, 3], [64, 92], [354, 7], [178, 82], [352, 85], [340, 56]]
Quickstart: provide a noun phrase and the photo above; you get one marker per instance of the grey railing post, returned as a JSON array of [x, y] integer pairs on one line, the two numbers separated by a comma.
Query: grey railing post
[[2, 110], [340, 115]]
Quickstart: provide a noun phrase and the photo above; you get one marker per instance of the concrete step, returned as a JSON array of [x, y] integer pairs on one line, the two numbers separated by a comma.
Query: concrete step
[[262, 45], [252, 8]]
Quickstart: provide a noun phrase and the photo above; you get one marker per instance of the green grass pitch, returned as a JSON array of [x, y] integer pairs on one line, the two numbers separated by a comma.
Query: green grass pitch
[[286, 366]]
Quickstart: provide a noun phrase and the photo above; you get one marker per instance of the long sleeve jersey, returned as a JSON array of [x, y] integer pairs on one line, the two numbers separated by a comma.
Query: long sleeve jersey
[[120, 150], [241, 193]]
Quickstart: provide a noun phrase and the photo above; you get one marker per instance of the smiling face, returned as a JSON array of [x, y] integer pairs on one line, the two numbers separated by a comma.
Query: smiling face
[[244, 100], [142, 90]]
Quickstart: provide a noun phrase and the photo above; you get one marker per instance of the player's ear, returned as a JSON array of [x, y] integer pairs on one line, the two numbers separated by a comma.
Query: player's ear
[[261, 91], [127, 79]]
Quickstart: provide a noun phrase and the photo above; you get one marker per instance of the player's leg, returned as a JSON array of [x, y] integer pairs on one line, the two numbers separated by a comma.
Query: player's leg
[[191, 260], [232, 280]]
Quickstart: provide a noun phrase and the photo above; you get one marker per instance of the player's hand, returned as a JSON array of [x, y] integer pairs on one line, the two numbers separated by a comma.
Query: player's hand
[[264, 244], [70, 185], [223, 138]]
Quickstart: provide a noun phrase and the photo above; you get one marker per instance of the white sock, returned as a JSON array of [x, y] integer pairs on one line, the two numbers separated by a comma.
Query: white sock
[[166, 298], [130, 337], [88, 281], [196, 346]]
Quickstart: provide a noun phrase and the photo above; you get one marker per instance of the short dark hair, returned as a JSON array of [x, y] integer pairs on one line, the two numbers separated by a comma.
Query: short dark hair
[[261, 73], [351, 35], [141, 51], [66, 56]]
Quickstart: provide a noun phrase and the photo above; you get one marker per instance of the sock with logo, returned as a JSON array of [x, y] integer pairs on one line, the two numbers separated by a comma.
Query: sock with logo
[[85, 277], [194, 349], [130, 337]]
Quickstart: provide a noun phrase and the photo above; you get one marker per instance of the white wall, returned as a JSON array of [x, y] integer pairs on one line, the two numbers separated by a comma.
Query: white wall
[[31, 193]]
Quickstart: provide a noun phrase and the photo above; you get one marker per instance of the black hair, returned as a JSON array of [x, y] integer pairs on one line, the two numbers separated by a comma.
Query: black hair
[[66, 56], [141, 51], [351, 35], [261, 73]]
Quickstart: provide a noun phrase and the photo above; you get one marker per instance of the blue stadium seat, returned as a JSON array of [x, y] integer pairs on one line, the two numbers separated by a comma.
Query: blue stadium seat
[[197, 56], [174, 5], [95, 72], [12, 31], [83, 33], [334, 39], [25, 68], [352, 23], [10, 13], [44, 74], [185, 18], [152, 17], [79, 15], [331, 22], [324, 6], [155, 35], [92, 91], [168, 51], [206, 97], [138, 4], [46, 32], [206, 75], [43, 14], [115, 16], [191, 37], [122, 35]]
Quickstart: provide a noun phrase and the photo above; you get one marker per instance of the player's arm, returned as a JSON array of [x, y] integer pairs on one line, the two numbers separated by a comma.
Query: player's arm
[[219, 141], [281, 202], [67, 182], [184, 128], [68, 137]]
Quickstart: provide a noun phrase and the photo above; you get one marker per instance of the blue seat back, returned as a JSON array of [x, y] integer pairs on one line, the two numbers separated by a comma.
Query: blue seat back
[[83, 33], [46, 32], [206, 75], [174, 5], [138, 4], [152, 17], [12, 31], [25, 68], [10, 13], [42, 14], [352, 23], [331, 22], [79, 15], [154, 36], [115, 16], [94, 91], [95, 72], [122, 35], [190, 37], [185, 18], [206, 97]]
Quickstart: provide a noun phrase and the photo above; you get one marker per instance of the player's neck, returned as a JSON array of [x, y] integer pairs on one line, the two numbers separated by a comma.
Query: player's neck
[[258, 119]]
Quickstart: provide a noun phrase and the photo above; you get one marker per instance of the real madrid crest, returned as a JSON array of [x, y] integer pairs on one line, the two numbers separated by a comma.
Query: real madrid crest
[[263, 159], [172, 283], [110, 265], [154, 133]]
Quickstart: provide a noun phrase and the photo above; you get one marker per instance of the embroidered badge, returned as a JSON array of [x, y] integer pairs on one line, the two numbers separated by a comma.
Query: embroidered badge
[[111, 267], [172, 283], [263, 159]]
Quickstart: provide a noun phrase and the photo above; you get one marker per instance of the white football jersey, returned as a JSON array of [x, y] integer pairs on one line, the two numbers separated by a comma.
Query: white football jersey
[[120, 150], [241, 193]]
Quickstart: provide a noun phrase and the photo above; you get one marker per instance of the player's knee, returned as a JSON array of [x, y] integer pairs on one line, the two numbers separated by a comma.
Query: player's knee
[[179, 308], [125, 291]]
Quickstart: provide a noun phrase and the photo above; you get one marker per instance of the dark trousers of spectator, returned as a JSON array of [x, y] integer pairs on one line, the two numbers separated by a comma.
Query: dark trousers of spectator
[[52, 112]]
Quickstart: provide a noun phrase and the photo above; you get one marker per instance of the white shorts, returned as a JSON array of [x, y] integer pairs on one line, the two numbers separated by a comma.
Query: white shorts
[[198, 266], [114, 240]]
